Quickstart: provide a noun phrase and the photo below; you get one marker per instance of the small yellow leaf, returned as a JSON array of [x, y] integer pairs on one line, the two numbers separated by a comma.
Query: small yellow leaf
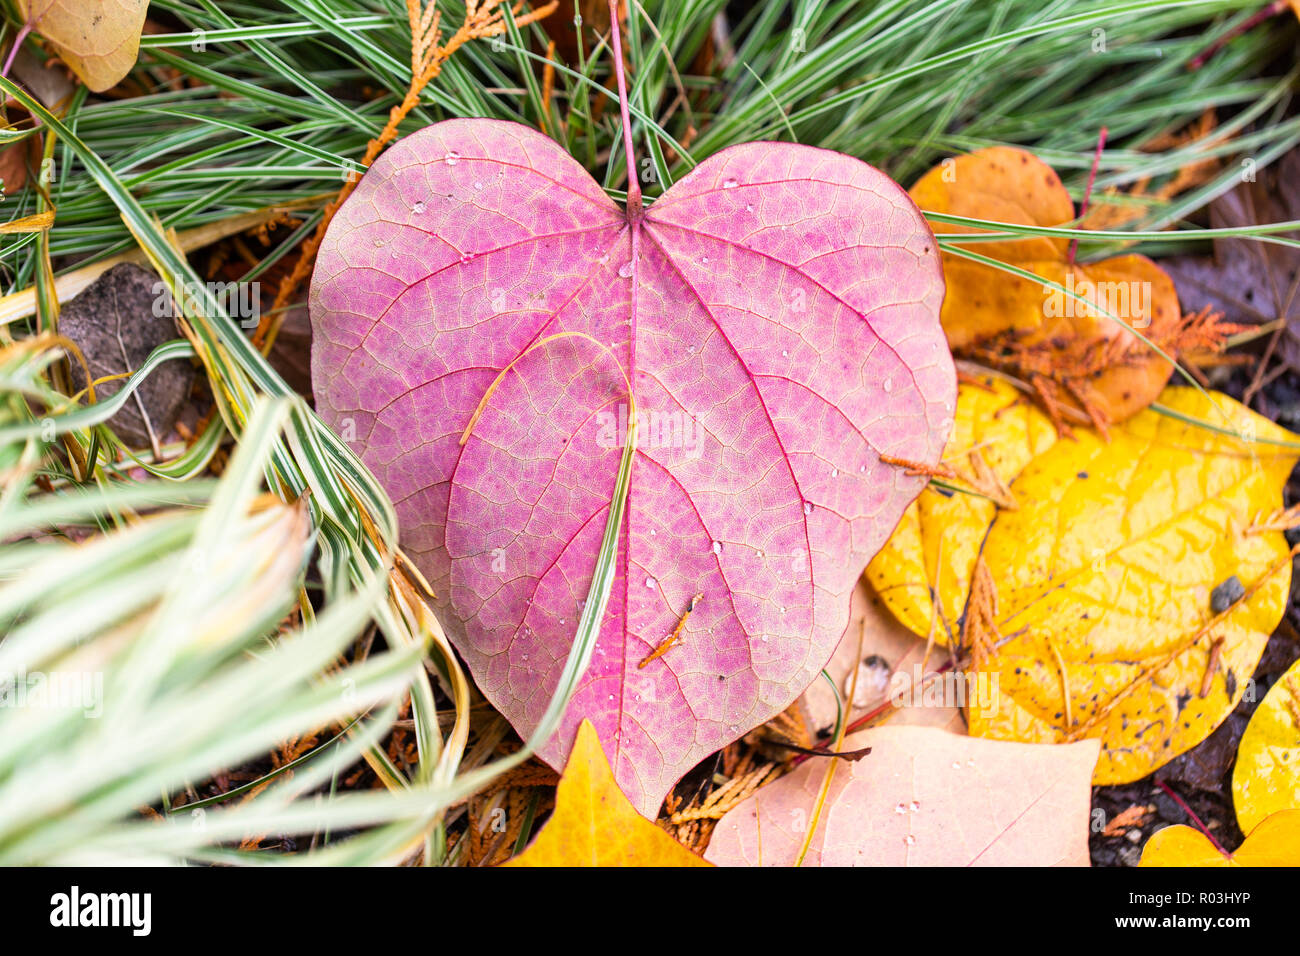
[[33, 223], [940, 536], [594, 824], [1275, 842], [1104, 578], [99, 41], [1266, 778]]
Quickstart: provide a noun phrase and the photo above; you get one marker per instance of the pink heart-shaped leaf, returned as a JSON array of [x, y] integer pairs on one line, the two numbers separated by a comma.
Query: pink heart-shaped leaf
[[779, 324]]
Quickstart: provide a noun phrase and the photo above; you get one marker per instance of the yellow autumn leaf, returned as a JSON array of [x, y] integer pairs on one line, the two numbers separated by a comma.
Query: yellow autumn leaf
[[940, 535], [33, 223], [1104, 580], [594, 824], [1275, 842], [1266, 778], [99, 41]]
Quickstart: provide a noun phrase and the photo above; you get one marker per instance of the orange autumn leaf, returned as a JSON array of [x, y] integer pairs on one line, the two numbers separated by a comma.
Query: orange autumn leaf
[[1003, 184], [19, 156], [1121, 373], [1067, 342], [594, 824]]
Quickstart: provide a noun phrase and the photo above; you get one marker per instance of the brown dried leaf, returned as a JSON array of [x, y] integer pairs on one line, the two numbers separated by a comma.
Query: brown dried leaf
[[114, 323], [99, 41]]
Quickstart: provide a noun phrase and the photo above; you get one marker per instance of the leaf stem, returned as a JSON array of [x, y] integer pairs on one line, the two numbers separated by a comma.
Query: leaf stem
[[1270, 11], [1195, 819], [634, 208], [13, 50], [1087, 193], [830, 768]]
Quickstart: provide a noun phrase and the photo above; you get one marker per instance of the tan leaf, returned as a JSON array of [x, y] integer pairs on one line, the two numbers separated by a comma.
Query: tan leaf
[[922, 797], [899, 657], [99, 41]]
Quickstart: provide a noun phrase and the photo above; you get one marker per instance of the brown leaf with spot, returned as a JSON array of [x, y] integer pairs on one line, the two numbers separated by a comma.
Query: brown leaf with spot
[[99, 41], [117, 321]]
